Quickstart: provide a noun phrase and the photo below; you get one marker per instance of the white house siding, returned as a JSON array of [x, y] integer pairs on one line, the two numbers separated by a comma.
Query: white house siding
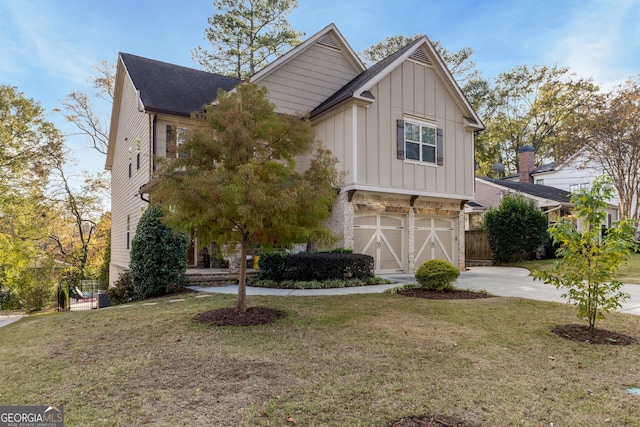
[[132, 138], [307, 80]]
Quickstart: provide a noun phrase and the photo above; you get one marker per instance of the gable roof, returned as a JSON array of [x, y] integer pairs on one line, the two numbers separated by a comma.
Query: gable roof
[[354, 89], [536, 190], [169, 88], [329, 33], [422, 49]]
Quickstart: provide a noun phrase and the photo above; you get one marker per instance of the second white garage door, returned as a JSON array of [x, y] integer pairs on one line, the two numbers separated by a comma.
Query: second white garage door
[[435, 239]]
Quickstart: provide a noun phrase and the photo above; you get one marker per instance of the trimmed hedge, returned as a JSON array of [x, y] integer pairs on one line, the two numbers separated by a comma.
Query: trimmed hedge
[[437, 275], [315, 267]]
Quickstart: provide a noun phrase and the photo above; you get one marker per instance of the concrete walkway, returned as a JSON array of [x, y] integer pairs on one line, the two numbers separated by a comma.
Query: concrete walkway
[[500, 281], [9, 318]]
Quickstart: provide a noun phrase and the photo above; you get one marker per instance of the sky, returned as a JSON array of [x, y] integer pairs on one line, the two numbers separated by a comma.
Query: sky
[[48, 48]]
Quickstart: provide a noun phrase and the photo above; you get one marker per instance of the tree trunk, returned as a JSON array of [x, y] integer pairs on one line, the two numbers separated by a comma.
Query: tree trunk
[[241, 302]]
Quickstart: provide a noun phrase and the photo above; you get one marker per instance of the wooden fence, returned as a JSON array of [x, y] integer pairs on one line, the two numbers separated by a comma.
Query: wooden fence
[[476, 246]]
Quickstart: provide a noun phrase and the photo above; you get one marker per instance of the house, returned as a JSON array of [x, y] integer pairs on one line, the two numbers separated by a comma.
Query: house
[[576, 173], [552, 200], [402, 131]]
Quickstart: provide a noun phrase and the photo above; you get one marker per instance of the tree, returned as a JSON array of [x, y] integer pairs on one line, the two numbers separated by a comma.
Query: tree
[[246, 35], [528, 106], [81, 111], [515, 227], [239, 184], [158, 256], [29, 145], [606, 128], [79, 210], [589, 261]]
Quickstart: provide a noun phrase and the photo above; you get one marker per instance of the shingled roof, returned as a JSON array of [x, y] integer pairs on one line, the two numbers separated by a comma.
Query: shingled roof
[[169, 88], [347, 91], [536, 190]]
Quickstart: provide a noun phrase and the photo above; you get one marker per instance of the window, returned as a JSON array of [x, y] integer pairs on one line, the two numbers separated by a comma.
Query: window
[[129, 169], [176, 137], [420, 142], [579, 187], [540, 181], [138, 160], [128, 227]]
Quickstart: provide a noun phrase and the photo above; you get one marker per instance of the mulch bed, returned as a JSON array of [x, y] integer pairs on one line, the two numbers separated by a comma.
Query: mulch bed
[[581, 333], [229, 317], [430, 421], [451, 294]]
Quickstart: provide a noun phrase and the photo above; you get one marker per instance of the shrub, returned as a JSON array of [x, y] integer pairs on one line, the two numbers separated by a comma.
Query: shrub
[[158, 256], [328, 266], [272, 266], [517, 226], [122, 292], [437, 275]]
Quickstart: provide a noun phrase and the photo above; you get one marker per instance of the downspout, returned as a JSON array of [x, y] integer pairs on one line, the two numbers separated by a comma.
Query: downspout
[[152, 150]]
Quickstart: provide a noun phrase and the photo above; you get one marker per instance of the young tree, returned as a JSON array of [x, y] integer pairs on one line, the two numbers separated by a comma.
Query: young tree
[[528, 106], [607, 129], [589, 262], [246, 35], [158, 256], [515, 227], [239, 184]]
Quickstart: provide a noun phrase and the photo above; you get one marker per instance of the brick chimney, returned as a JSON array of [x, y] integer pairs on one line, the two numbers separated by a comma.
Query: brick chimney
[[525, 163]]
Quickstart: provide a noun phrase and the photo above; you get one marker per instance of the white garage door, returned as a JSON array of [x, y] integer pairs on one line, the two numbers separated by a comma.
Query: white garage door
[[435, 239], [381, 236]]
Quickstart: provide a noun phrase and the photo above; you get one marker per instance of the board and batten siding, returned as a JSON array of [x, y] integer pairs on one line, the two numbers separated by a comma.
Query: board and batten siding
[[132, 138], [309, 79], [335, 134], [414, 90]]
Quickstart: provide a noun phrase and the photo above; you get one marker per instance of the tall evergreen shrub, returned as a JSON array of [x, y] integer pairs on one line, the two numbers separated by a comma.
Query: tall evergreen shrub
[[158, 256]]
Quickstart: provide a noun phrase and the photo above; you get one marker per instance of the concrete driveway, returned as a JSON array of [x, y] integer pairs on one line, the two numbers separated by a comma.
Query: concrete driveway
[[500, 281]]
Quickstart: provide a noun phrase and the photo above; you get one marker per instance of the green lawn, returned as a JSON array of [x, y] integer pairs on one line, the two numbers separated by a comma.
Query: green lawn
[[357, 360], [629, 273]]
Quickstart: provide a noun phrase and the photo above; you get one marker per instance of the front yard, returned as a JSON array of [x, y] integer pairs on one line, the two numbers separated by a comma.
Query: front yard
[[357, 360], [629, 273]]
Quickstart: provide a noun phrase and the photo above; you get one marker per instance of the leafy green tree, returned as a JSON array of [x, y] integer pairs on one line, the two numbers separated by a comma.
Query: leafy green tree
[[515, 227], [607, 131], [589, 261], [246, 35], [240, 184], [527, 106], [29, 146], [158, 256]]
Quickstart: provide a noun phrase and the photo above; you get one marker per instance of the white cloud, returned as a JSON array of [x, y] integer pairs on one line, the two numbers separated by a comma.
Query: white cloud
[[596, 40]]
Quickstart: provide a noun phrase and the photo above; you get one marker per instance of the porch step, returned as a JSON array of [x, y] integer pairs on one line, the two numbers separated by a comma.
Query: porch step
[[213, 276]]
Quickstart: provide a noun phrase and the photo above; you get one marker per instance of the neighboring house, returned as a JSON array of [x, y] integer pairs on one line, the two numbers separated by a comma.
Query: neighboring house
[[576, 173], [553, 201], [402, 131]]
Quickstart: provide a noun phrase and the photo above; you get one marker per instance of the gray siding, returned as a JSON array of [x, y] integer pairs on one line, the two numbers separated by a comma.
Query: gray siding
[[134, 126], [412, 90], [307, 80]]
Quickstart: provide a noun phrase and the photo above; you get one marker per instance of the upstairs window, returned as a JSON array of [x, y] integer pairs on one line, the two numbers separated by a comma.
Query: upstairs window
[[420, 142], [176, 137]]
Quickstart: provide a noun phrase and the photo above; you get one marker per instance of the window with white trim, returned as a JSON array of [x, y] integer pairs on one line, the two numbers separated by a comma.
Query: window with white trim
[[420, 142]]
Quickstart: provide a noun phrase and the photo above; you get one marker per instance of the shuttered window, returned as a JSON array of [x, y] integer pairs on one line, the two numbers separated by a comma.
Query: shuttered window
[[420, 142]]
